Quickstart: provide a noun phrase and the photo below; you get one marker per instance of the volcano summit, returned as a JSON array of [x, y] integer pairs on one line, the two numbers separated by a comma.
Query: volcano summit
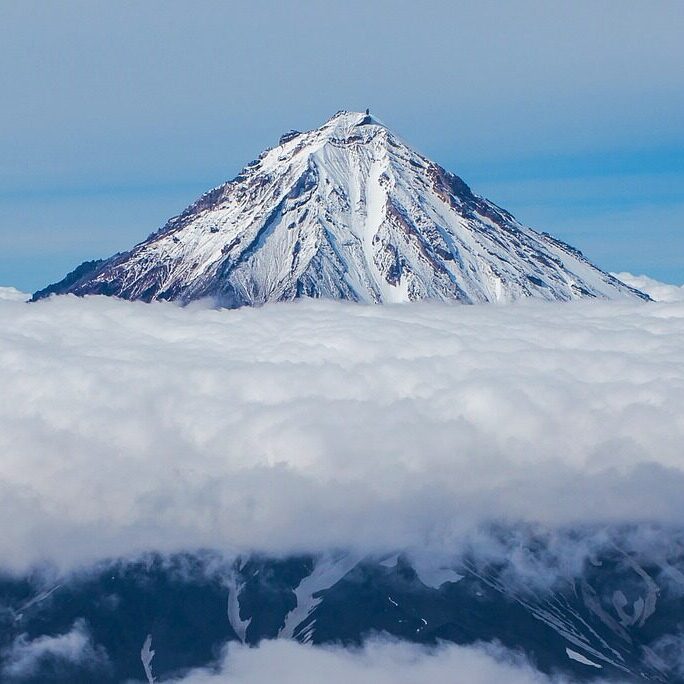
[[345, 211]]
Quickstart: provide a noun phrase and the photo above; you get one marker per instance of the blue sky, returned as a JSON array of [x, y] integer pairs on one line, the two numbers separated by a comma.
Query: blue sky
[[115, 116]]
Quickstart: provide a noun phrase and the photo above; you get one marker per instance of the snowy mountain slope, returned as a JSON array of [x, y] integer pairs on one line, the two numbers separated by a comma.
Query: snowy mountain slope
[[345, 211]]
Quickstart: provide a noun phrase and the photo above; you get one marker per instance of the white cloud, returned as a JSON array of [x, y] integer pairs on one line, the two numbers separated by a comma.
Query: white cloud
[[660, 292], [12, 294], [127, 427], [379, 662], [25, 657]]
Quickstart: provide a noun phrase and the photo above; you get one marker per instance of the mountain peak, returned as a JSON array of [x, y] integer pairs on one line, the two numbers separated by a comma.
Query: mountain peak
[[347, 120], [344, 211], [340, 126]]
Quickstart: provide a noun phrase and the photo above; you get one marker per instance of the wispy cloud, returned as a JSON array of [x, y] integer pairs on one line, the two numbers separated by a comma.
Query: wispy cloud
[[26, 658]]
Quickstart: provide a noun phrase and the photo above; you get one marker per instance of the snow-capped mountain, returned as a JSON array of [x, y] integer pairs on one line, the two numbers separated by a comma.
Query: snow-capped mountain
[[345, 211]]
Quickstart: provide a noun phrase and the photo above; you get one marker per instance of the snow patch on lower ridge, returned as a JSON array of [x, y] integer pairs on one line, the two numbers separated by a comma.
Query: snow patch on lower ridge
[[574, 655], [236, 622], [146, 657], [328, 571]]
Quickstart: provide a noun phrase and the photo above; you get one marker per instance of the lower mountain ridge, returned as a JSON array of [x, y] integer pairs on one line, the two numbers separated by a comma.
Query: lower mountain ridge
[[615, 619]]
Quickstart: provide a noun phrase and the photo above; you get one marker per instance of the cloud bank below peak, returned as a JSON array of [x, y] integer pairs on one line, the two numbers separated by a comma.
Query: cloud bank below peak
[[318, 425]]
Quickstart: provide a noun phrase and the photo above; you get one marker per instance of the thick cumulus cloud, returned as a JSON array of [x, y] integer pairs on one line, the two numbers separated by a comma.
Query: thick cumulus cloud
[[126, 427], [660, 292], [379, 662]]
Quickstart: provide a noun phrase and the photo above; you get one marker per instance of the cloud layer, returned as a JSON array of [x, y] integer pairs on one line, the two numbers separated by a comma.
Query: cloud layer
[[377, 663], [127, 427]]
